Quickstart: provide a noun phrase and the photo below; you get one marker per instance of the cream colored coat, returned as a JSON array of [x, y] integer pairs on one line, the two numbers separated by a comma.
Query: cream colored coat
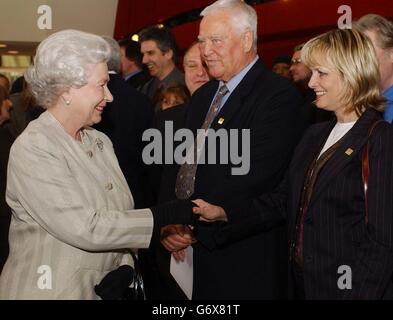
[[72, 214]]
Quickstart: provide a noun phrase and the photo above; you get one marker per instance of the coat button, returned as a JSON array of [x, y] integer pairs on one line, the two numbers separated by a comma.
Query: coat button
[[109, 186], [90, 154]]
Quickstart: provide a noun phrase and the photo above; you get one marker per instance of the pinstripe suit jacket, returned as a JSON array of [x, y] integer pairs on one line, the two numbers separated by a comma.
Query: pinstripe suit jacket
[[335, 232], [71, 213]]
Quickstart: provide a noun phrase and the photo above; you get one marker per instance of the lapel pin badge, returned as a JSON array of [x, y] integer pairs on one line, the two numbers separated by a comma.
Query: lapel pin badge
[[348, 152], [221, 121]]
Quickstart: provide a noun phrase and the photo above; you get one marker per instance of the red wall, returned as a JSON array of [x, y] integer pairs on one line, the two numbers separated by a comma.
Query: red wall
[[282, 24], [132, 15]]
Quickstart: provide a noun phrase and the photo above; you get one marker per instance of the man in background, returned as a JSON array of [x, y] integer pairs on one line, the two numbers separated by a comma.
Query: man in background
[[159, 50], [301, 76], [380, 32], [281, 65], [131, 66]]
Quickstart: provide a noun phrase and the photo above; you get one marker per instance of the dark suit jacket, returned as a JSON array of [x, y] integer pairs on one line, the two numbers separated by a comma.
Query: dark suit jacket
[[159, 283], [232, 263], [138, 80], [168, 174], [6, 140], [124, 121], [335, 232]]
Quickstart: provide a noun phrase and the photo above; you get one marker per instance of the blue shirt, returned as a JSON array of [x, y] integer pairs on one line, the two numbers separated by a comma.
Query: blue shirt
[[234, 82], [388, 114], [128, 76]]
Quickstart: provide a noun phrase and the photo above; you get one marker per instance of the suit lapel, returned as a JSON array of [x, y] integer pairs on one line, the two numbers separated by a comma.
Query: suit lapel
[[352, 143], [303, 158], [238, 96]]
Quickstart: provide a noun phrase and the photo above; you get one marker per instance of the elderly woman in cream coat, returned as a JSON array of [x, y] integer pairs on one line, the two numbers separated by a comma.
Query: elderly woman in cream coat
[[72, 211]]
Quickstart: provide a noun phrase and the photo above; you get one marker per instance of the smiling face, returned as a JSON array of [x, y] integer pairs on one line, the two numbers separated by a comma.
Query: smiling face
[[157, 62], [328, 85], [225, 49], [194, 69], [89, 101]]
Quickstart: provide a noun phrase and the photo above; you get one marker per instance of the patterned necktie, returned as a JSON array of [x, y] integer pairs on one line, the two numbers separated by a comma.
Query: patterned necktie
[[186, 176]]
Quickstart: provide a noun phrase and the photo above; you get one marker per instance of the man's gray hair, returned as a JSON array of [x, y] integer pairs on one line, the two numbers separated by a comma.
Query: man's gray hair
[[114, 59], [244, 16], [382, 27], [62, 62]]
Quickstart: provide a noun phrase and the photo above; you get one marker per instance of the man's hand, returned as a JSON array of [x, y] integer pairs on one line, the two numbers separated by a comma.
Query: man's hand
[[209, 212], [176, 237], [179, 255]]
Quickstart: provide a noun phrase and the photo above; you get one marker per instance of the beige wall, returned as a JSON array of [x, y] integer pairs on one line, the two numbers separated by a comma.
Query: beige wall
[[18, 18]]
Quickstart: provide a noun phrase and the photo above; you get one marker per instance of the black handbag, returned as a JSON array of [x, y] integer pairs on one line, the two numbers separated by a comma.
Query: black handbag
[[116, 285]]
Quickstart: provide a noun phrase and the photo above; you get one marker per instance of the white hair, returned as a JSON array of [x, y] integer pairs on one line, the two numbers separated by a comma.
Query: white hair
[[61, 62], [114, 59], [244, 17]]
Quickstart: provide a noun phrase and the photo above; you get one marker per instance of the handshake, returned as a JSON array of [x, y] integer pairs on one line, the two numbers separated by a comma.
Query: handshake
[[175, 238]]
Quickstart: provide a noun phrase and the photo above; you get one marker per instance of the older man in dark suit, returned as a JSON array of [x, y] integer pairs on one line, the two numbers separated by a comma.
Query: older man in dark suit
[[238, 263]]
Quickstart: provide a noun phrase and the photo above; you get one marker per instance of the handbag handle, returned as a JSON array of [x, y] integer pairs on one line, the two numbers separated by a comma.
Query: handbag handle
[[139, 285], [366, 167]]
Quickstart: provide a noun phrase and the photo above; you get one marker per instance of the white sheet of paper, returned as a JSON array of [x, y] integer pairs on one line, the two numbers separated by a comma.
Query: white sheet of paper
[[183, 272]]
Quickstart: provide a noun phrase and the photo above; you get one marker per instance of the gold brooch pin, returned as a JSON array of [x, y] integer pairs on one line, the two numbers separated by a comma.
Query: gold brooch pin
[[100, 144], [221, 121], [348, 152]]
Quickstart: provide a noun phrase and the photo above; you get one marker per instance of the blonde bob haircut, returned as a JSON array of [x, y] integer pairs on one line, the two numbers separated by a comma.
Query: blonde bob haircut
[[352, 54]]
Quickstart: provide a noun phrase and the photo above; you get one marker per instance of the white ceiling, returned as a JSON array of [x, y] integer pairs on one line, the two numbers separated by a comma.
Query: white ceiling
[[19, 28]]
